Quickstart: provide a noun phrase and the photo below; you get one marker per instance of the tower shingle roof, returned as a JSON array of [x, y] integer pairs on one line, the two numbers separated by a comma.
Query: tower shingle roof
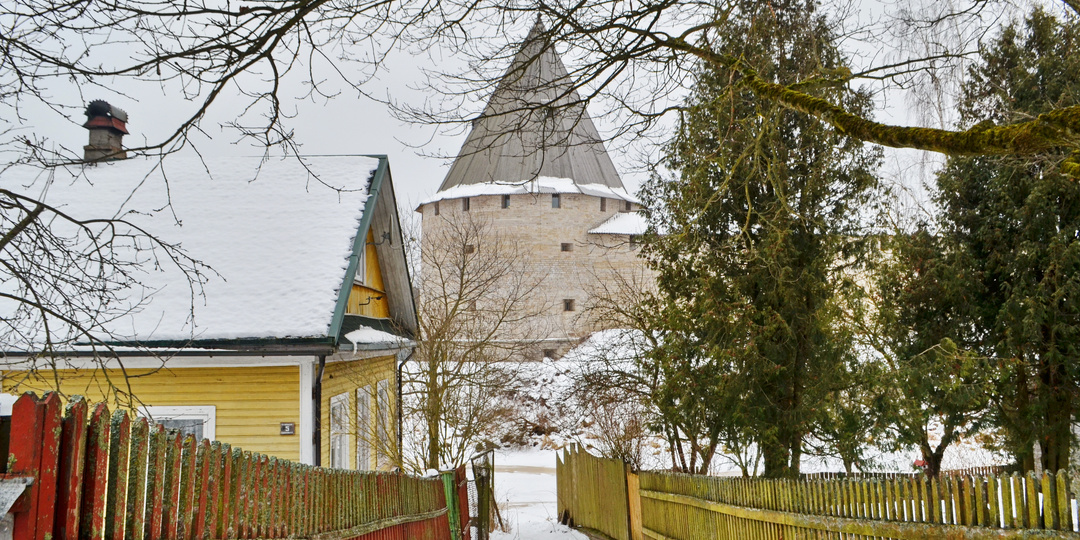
[[535, 124]]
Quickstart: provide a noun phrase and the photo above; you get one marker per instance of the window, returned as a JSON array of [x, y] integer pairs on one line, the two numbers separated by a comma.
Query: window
[[629, 206], [567, 246], [469, 249], [361, 267], [548, 353], [363, 428], [198, 421], [383, 427], [555, 202], [635, 240], [568, 304], [436, 208], [465, 204], [506, 201], [339, 431], [603, 204]]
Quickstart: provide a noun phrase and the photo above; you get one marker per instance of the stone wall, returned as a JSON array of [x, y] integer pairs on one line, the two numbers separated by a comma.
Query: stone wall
[[540, 231]]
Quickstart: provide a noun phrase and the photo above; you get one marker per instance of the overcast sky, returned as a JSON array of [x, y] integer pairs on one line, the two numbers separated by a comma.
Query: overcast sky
[[346, 124]]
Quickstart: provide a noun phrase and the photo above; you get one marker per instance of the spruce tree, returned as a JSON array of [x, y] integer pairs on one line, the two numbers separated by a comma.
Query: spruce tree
[[756, 227], [1018, 223]]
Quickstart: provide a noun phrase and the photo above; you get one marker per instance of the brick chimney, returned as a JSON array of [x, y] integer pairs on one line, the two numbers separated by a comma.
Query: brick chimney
[[107, 126]]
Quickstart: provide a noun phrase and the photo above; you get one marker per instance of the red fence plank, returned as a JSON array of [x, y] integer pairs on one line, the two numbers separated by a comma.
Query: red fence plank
[[200, 489], [174, 459], [116, 507], [135, 525], [70, 476], [155, 482], [213, 489], [186, 506], [96, 475], [28, 455]]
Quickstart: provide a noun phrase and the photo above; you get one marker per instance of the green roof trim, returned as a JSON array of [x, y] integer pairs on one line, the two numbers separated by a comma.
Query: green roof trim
[[359, 244]]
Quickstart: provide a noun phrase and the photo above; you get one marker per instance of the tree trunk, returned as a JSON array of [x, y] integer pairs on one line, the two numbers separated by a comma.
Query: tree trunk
[[1057, 416], [433, 413], [776, 460]]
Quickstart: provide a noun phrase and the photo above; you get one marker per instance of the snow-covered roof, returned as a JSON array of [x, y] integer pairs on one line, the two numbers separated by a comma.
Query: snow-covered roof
[[535, 124], [543, 184], [277, 233], [623, 223]]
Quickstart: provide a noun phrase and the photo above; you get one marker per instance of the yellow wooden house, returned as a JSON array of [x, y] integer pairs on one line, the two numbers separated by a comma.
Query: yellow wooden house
[[290, 339]]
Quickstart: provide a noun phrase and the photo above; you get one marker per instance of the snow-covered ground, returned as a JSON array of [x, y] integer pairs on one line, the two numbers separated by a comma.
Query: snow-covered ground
[[525, 489]]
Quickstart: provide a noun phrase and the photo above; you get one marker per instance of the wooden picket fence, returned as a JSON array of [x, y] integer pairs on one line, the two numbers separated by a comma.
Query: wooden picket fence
[[592, 492], [94, 475], [670, 506]]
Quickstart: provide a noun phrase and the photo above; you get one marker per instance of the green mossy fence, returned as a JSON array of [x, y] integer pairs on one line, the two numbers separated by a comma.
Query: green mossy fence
[[603, 497], [84, 473]]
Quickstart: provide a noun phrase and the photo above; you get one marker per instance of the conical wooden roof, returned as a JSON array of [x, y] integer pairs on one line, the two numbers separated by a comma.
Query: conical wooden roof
[[534, 125]]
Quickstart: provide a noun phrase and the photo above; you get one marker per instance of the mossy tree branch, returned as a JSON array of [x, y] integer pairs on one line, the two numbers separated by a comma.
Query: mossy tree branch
[[1056, 130]]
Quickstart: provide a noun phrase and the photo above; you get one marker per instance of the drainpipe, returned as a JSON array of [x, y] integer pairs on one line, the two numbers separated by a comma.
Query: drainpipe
[[316, 396]]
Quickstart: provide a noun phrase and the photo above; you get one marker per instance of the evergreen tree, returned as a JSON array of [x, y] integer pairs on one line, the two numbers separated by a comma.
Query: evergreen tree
[[1017, 222], [935, 391], [756, 226]]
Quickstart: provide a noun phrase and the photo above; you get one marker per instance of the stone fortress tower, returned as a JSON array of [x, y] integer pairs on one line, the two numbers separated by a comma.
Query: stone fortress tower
[[535, 169]]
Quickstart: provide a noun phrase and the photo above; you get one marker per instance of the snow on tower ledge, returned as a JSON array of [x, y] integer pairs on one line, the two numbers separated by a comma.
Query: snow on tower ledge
[[632, 223], [543, 184]]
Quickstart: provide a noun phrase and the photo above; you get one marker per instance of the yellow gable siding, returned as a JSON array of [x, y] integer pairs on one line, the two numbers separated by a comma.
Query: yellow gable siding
[[346, 378], [369, 299], [250, 402]]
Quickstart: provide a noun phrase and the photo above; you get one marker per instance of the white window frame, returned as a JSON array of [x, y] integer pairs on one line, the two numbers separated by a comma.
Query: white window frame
[[383, 460], [361, 266], [206, 413], [364, 431], [343, 432]]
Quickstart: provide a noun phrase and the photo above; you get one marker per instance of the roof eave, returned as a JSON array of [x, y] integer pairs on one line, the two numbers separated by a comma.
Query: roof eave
[[311, 346]]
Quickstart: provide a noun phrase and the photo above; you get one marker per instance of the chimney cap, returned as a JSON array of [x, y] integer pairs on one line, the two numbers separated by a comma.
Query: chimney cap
[[99, 114], [100, 107]]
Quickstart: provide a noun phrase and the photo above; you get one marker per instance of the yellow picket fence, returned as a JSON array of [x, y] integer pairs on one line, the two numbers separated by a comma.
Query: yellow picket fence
[[602, 496], [593, 494]]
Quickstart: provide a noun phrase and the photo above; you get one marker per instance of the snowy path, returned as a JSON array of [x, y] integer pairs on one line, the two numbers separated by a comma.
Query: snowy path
[[525, 488]]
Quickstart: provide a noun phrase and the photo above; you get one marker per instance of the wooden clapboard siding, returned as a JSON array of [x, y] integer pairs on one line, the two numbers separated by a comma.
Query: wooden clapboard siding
[[250, 402], [346, 378], [369, 299]]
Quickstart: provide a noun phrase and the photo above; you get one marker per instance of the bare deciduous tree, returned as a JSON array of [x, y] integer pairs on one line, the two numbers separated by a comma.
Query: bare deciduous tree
[[476, 298]]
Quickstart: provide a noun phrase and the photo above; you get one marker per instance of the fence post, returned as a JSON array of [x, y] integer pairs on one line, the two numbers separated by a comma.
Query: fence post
[[633, 505], [483, 510], [453, 505]]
